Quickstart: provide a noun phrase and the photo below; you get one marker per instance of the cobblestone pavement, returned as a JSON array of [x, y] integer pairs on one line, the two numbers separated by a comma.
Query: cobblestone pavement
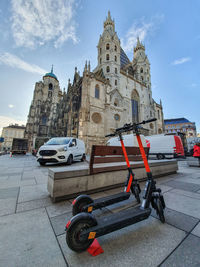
[[32, 227]]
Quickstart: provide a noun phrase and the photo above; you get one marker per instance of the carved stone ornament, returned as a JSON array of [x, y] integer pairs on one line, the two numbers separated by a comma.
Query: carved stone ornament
[[96, 117]]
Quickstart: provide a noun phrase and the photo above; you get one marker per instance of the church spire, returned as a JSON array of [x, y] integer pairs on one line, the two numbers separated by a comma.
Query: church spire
[[52, 68], [139, 45], [109, 23]]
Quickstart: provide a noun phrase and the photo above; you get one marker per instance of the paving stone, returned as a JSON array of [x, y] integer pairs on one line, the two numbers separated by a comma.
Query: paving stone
[[184, 204], [9, 192], [196, 230], [59, 208], [7, 206], [186, 193], [187, 254], [28, 240], [33, 204], [28, 193], [178, 219], [9, 183], [146, 243], [184, 186]]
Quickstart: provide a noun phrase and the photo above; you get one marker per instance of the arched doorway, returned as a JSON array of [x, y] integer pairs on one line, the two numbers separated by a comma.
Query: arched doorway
[[135, 104]]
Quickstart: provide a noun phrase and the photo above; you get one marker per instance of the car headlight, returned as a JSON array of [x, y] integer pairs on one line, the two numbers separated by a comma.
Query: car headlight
[[62, 149]]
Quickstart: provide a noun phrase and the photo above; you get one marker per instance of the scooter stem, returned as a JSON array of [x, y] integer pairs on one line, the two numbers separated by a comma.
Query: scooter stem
[[143, 154], [127, 162]]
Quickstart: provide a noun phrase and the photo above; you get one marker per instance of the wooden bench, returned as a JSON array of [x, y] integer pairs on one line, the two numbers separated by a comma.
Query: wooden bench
[[111, 158]]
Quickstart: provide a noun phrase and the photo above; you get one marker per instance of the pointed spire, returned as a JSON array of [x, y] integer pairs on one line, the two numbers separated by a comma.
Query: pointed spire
[[85, 68], [52, 69], [75, 69], [89, 66], [109, 21]]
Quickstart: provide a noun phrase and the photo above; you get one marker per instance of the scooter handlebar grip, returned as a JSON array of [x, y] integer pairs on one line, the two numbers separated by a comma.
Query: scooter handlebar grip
[[109, 135], [147, 121]]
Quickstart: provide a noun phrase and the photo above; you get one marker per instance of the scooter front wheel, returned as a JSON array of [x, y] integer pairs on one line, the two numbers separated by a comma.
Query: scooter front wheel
[[80, 202], [80, 223], [159, 210]]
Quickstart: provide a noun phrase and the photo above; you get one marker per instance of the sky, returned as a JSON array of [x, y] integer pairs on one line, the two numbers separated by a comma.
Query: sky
[[38, 33]]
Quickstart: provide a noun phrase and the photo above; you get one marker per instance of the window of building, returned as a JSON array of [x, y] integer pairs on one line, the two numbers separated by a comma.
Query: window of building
[[142, 78], [116, 102], [115, 82], [116, 70], [44, 120], [107, 46], [115, 58], [50, 86], [117, 117], [107, 69], [107, 57], [100, 60], [50, 94], [100, 51], [150, 113], [115, 48], [97, 91], [141, 70]]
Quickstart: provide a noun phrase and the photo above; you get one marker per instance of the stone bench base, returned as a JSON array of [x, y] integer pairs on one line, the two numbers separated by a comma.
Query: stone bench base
[[193, 162], [69, 182]]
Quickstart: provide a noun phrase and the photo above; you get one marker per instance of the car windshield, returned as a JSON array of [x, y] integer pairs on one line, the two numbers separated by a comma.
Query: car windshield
[[58, 141]]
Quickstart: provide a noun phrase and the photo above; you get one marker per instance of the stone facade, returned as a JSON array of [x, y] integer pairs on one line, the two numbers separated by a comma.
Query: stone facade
[[116, 92]]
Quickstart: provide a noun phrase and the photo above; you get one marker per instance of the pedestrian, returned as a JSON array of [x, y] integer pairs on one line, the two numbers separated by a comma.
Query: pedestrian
[[196, 150]]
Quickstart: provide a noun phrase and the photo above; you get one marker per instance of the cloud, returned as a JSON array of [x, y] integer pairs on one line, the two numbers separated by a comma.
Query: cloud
[[5, 121], [11, 106], [181, 60], [36, 22], [194, 85], [140, 29], [15, 62]]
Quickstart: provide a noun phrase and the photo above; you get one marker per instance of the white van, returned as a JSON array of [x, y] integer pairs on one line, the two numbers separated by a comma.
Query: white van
[[165, 146], [61, 149], [129, 140]]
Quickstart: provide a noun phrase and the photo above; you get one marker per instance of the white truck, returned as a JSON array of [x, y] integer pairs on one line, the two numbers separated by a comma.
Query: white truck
[[61, 149], [165, 146]]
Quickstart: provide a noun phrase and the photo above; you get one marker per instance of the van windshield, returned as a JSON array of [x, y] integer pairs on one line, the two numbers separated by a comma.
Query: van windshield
[[58, 141]]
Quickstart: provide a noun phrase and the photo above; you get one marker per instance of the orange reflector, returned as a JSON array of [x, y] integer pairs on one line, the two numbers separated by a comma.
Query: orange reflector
[[74, 201], [90, 209], [91, 235]]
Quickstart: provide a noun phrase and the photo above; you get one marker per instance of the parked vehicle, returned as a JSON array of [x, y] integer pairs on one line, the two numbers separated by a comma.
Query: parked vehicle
[[165, 146], [19, 146], [129, 140], [61, 149]]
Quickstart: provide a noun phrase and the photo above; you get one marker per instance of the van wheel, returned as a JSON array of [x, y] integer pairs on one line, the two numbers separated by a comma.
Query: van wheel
[[70, 160], [42, 163], [160, 156], [83, 157]]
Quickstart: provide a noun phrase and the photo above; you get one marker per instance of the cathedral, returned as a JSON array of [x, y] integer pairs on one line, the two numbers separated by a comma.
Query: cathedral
[[116, 92]]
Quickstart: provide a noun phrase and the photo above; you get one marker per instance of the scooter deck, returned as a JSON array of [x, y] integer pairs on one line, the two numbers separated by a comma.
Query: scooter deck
[[109, 200], [117, 221]]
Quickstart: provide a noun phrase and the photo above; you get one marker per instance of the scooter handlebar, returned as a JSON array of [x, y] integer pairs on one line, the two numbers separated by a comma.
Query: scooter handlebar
[[147, 121]]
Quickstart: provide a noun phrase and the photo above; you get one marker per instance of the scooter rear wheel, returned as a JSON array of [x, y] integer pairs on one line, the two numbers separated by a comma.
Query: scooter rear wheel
[[137, 194], [80, 202], [159, 210], [82, 222]]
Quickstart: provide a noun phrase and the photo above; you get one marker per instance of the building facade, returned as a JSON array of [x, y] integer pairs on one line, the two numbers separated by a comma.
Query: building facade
[[116, 92], [10, 132], [180, 125]]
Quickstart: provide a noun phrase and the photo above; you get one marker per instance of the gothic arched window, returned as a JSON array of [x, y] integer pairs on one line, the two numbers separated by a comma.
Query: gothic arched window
[[100, 51], [135, 101], [97, 91], [115, 58], [107, 46], [44, 120], [107, 69], [141, 70], [115, 70], [115, 82], [107, 57], [50, 86], [115, 48], [100, 60]]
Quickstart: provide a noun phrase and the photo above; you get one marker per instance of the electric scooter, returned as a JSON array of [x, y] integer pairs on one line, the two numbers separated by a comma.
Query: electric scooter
[[85, 203], [83, 228]]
